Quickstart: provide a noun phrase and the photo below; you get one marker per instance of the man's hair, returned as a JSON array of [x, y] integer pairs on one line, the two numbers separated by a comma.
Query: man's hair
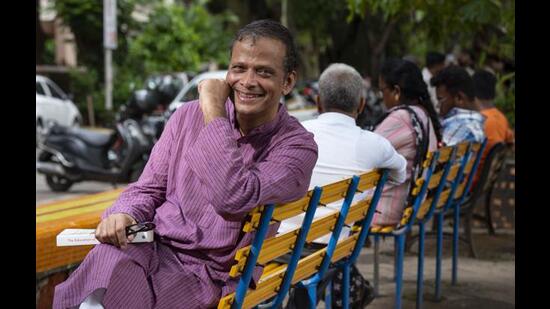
[[340, 87], [266, 28], [434, 58], [455, 79], [484, 85]]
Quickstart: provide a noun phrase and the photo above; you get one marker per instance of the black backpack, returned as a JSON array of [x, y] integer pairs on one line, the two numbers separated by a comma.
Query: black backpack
[[422, 142]]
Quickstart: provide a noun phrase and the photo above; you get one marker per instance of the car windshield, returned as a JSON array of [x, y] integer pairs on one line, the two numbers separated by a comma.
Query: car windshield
[[40, 89], [56, 92]]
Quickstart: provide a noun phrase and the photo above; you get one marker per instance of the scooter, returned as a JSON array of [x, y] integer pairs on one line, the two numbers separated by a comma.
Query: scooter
[[69, 155]]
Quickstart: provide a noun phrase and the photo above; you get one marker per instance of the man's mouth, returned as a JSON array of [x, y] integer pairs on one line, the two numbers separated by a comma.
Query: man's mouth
[[247, 97]]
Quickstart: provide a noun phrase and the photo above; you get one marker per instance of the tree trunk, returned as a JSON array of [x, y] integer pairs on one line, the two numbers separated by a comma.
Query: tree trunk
[[378, 44]]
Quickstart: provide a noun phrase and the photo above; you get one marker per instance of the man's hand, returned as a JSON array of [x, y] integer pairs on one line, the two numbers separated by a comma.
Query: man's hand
[[112, 230], [212, 96]]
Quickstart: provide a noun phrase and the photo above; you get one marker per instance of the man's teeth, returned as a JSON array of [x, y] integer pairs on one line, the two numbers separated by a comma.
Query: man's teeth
[[248, 96]]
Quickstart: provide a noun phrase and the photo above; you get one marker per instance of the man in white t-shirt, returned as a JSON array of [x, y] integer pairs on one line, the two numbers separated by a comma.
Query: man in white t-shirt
[[344, 149]]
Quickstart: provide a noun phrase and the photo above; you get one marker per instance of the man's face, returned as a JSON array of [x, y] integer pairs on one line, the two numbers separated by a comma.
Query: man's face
[[257, 77], [445, 99]]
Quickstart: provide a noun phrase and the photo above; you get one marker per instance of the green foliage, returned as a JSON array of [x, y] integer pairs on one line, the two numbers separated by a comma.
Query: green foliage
[[506, 96], [175, 38], [178, 38]]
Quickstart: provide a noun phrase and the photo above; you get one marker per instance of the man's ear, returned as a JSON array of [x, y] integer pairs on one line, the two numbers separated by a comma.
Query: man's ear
[[320, 108], [290, 81], [460, 100], [362, 104]]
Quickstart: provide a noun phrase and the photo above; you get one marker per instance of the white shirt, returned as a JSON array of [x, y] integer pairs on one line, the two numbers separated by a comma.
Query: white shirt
[[344, 150], [427, 75]]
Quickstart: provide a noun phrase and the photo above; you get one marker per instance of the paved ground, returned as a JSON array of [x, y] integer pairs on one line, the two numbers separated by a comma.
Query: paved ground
[[487, 282]]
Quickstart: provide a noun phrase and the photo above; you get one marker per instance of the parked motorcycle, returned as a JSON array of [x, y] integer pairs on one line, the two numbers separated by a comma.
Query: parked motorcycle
[[70, 155]]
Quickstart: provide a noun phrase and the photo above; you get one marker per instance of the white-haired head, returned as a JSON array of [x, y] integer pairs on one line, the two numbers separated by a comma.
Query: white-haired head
[[340, 88]]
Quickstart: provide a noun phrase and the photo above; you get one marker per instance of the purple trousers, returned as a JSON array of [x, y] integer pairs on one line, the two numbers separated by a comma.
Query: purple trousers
[[147, 275]]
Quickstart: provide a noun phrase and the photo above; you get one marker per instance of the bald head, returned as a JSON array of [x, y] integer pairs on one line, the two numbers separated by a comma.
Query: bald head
[[340, 88]]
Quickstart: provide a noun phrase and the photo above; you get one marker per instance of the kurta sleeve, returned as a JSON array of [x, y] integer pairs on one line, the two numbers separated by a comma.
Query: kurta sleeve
[[233, 188]]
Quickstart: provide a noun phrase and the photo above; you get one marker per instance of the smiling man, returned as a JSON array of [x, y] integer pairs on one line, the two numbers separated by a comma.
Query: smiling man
[[217, 159]]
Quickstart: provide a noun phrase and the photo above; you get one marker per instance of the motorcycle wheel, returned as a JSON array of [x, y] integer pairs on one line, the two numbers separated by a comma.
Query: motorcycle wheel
[[58, 183]]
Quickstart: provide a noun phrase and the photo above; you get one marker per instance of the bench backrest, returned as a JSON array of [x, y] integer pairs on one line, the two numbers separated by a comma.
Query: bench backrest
[[277, 278], [447, 156], [419, 190]]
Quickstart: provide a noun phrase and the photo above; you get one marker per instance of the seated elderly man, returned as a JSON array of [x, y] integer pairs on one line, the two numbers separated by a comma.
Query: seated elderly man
[[344, 148]]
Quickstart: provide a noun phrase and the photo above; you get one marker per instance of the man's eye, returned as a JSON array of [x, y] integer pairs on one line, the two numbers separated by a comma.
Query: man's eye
[[264, 73], [237, 68]]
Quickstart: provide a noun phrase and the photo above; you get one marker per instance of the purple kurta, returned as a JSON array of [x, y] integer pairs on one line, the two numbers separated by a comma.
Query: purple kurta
[[197, 187]]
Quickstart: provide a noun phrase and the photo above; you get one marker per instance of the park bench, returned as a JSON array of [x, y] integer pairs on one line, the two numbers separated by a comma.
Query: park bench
[[52, 218], [447, 171], [85, 212], [308, 270]]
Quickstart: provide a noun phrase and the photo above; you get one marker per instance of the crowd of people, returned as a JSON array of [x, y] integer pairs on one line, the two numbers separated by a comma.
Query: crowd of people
[[237, 147]]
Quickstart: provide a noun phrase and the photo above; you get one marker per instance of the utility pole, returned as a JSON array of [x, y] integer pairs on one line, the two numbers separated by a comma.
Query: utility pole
[[109, 44]]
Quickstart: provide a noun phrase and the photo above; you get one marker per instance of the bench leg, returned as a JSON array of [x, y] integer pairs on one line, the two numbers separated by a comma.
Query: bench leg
[[376, 264], [420, 274], [312, 293], [395, 262], [456, 225], [400, 240], [439, 249]]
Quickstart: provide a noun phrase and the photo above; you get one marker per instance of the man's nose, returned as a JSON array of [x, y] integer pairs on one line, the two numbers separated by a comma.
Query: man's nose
[[249, 79]]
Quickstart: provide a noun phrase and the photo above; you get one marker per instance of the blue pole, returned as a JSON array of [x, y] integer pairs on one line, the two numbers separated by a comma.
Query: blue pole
[[396, 259], [376, 264], [312, 293], [439, 248], [400, 239], [420, 275], [298, 245], [244, 281]]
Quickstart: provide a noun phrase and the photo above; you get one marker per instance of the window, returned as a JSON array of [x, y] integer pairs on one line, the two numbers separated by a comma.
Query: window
[[40, 89], [56, 92]]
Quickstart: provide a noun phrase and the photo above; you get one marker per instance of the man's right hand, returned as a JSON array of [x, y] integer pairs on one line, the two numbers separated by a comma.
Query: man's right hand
[[112, 230]]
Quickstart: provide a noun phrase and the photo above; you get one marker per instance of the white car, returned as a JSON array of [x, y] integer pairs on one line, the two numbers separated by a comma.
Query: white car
[[53, 105], [190, 92]]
